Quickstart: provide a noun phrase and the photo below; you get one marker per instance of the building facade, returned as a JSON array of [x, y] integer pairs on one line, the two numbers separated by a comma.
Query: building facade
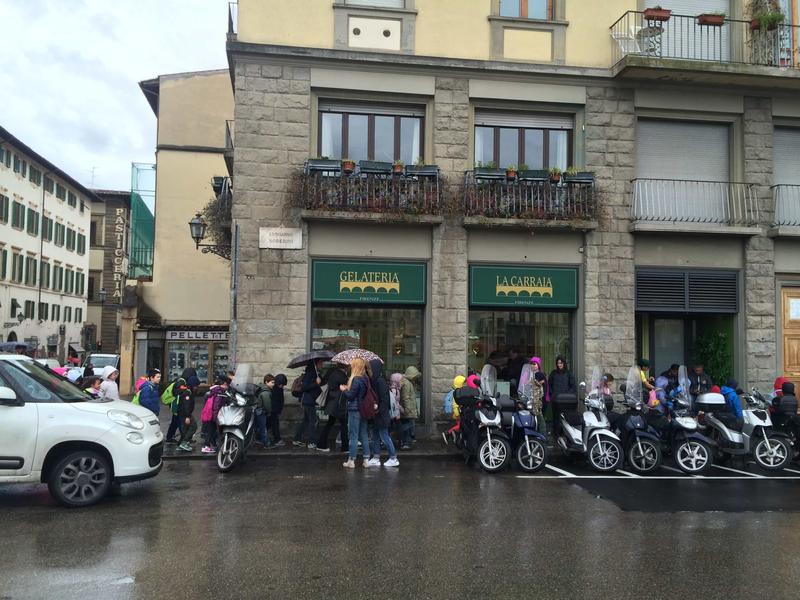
[[44, 259], [553, 177], [178, 311]]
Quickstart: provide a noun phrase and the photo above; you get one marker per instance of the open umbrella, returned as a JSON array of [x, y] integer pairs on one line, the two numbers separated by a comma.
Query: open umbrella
[[299, 361], [346, 357]]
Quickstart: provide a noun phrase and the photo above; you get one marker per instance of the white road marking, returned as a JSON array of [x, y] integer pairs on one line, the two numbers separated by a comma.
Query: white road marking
[[674, 470], [665, 478], [742, 472], [791, 470], [562, 471], [628, 474]]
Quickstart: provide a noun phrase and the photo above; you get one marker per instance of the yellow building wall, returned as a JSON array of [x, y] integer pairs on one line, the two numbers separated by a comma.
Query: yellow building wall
[[533, 46], [589, 42], [296, 23], [453, 28], [188, 286], [193, 108]]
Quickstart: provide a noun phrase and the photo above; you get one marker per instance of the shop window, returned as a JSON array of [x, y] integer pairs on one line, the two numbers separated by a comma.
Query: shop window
[[208, 359], [537, 148], [527, 9], [359, 134]]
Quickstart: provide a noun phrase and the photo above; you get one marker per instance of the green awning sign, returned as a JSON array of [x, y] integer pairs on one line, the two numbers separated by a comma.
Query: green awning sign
[[541, 287], [368, 282]]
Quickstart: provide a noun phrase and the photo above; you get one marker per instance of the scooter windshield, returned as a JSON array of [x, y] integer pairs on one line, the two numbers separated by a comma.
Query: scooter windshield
[[683, 381], [525, 387], [597, 381], [633, 386], [489, 380]]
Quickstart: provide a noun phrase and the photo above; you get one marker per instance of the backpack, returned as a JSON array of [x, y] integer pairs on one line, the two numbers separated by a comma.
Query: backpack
[[368, 409], [208, 410], [297, 387], [135, 399], [168, 397]]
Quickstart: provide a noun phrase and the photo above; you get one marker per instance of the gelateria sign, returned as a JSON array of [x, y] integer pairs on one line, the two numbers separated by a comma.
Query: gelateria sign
[[368, 282], [523, 286]]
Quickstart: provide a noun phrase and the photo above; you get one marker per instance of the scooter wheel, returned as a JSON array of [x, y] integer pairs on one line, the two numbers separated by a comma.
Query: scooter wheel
[[693, 457], [772, 453], [494, 455], [644, 456], [605, 454], [229, 453], [534, 459]]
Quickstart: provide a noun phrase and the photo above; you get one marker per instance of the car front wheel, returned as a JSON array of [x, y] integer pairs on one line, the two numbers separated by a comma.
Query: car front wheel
[[80, 479]]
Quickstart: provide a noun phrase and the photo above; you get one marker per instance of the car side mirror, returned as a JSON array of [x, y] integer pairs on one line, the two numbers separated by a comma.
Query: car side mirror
[[8, 397]]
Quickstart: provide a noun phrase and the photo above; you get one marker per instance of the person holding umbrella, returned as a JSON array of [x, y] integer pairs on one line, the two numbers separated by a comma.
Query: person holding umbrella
[[358, 428], [309, 392]]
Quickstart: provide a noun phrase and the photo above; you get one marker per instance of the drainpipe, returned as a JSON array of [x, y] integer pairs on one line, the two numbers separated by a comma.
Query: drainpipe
[[41, 251]]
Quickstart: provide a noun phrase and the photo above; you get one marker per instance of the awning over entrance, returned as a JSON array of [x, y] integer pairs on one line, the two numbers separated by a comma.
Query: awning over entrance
[[77, 348]]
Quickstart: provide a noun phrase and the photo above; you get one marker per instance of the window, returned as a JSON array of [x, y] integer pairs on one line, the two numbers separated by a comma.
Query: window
[[83, 207], [56, 312], [30, 307], [48, 185], [44, 275], [33, 222], [4, 203], [58, 278], [91, 287], [527, 9], [377, 3], [78, 315], [69, 281], [72, 199], [61, 192], [371, 133], [70, 239], [5, 156], [35, 176], [80, 283], [47, 229], [81, 244], [94, 229], [3, 261], [17, 266], [43, 311], [536, 142], [17, 215], [30, 271], [59, 234], [67, 314]]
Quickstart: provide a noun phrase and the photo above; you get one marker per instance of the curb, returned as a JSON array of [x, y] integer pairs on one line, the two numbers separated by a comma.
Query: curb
[[197, 456]]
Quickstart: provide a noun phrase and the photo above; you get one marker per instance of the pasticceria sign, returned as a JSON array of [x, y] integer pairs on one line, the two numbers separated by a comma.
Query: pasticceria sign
[[368, 282], [523, 286]]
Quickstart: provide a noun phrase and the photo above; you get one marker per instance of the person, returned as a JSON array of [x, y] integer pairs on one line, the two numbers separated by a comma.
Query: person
[[533, 390], [277, 408], [699, 381], [408, 406], [354, 392], [215, 400], [148, 393], [541, 377], [109, 389], [777, 388], [785, 405], [562, 387], [88, 371], [671, 375], [336, 409], [20, 349], [184, 398], [380, 424], [513, 369], [451, 408], [92, 386], [263, 409], [644, 373], [189, 375], [309, 392], [733, 415], [170, 398]]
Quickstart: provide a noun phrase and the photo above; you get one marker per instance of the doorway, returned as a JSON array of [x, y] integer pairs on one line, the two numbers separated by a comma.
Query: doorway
[[669, 344], [791, 332]]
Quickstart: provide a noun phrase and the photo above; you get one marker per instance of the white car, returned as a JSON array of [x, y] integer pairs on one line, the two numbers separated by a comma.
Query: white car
[[101, 361], [53, 432], [50, 363]]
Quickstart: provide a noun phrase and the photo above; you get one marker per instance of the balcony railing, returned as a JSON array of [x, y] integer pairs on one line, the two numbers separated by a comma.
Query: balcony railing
[[529, 199], [685, 37], [712, 203], [787, 205], [371, 192]]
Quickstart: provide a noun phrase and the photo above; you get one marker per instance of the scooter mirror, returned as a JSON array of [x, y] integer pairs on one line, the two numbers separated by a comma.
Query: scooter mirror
[[583, 385]]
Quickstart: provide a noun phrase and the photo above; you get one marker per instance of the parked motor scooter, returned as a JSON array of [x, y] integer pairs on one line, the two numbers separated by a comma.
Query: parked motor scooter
[[530, 446], [786, 420], [590, 434], [642, 443], [236, 422]]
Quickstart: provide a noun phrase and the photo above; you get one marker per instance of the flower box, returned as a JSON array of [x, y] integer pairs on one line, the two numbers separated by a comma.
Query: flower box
[[657, 14]]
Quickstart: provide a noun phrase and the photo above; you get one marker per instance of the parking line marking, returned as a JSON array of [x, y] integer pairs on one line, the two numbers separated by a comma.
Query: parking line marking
[[629, 474], [562, 471], [674, 470], [665, 478], [791, 470], [742, 472]]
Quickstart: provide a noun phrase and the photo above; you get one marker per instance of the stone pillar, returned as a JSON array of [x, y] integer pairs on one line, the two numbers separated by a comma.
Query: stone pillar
[[609, 322], [760, 347], [449, 298], [273, 116]]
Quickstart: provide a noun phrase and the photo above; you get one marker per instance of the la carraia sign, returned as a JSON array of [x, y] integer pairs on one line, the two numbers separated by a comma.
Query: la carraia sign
[[369, 282], [508, 285]]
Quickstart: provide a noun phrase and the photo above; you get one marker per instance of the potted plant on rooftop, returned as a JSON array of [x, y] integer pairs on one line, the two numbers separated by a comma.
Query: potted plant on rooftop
[[715, 19], [656, 13], [765, 15]]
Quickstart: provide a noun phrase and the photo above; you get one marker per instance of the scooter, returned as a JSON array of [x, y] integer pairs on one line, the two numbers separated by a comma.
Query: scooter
[[641, 443], [590, 434], [753, 434], [494, 444], [786, 420], [530, 446], [236, 422]]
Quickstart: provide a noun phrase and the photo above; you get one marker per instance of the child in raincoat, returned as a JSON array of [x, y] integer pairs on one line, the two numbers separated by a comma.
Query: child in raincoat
[[451, 408]]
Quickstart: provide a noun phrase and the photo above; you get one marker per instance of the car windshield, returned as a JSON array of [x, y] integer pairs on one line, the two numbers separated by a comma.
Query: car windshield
[[98, 362], [39, 383]]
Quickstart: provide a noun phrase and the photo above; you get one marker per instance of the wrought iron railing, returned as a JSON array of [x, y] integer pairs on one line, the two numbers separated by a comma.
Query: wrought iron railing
[[702, 202], [687, 37], [787, 205], [372, 193], [533, 199]]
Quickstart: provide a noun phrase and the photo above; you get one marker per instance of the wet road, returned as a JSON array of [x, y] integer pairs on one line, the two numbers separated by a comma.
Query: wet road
[[287, 528]]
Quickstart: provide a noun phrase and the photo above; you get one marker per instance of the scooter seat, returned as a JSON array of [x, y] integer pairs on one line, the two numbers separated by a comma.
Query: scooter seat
[[573, 418], [730, 421]]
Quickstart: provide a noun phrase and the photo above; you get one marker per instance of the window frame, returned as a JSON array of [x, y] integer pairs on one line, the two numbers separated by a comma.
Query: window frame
[[521, 144], [19, 209], [61, 191], [5, 208], [32, 221], [345, 132], [523, 11]]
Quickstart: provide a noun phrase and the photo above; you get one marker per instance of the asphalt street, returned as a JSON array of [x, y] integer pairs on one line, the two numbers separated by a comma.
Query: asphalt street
[[435, 528]]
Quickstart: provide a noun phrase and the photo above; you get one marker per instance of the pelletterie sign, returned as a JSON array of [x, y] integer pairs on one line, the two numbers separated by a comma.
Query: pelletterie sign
[[280, 238]]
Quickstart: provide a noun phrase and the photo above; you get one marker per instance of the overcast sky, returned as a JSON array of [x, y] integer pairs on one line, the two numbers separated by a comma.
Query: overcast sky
[[70, 73]]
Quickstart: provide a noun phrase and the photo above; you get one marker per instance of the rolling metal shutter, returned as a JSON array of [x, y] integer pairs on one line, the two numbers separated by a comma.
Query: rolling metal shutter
[[787, 156], [400, 109], [491, 118], [377, 3], [681, 150], [677, 291]]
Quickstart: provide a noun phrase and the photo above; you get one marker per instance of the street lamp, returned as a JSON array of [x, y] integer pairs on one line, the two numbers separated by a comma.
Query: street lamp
[[20, 318], [197, 229]]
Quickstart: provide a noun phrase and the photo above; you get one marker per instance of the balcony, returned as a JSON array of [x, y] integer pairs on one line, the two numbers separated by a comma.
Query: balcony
[[529, 200], [672, 205], [373, 191], [683, 48], [787, 211], [228, 153]]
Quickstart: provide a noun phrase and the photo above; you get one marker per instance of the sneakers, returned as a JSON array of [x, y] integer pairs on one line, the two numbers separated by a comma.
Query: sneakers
[[278, 444], [350, 464], [392, 462], [323, 449], [207, 450], [373, 462], [312, 446], [298, 443], [405, 447], [173, 440], [185, 447]]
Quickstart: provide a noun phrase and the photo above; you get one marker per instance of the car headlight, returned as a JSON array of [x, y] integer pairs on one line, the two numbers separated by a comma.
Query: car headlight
[[126, 419]]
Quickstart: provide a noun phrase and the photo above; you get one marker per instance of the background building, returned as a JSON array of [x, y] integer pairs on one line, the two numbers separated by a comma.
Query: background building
[[679, 246], [44, 261], [182, 296]]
